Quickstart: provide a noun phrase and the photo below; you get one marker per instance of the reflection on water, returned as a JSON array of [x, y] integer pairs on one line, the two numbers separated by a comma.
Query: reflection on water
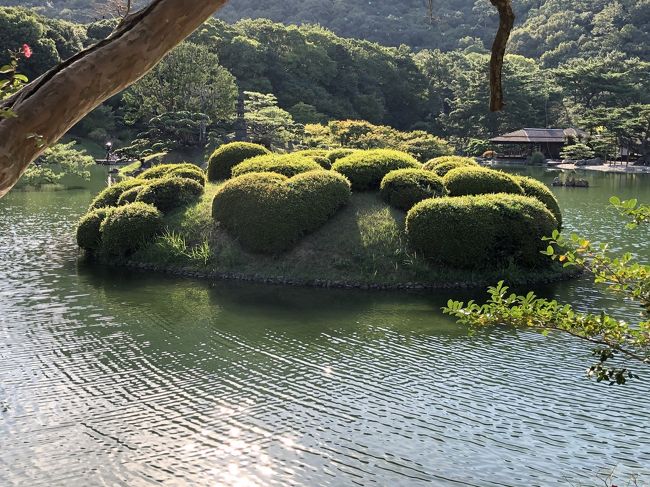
[[110, 377]]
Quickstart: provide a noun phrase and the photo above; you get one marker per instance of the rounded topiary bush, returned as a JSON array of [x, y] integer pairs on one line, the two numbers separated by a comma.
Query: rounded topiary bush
[[467, 161], [130, 195], [269, 213], [366, 169], [111, 195], [478, 180], [195, 174], [128, 228], [484, 231], [442, 165], [536, 189], [286, 164], [169, 193], [228, 156], [89, 236], [162, 170], [405, 187], [336, 154]]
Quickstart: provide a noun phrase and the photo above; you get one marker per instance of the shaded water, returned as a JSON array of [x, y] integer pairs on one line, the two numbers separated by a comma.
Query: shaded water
[[113, 378]]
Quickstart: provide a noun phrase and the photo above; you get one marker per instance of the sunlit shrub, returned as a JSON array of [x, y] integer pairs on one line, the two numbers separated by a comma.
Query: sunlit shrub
[[88, 230], [366, 169], [228, 156], [286, 164], [484, 231], [169, 193], [128, 228], [477, 180], [539, 190]]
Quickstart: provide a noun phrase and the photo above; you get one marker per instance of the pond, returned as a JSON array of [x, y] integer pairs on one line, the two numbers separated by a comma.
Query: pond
[[115, 378]]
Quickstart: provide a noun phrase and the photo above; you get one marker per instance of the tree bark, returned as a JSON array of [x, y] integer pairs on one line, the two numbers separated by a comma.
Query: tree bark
[[49, 106], [506, 22]]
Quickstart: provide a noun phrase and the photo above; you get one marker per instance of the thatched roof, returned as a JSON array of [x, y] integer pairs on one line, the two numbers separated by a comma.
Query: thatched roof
[[538, 136]]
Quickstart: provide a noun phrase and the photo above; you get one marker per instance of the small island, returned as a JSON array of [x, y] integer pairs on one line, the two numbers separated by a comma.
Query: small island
[[372, 219]]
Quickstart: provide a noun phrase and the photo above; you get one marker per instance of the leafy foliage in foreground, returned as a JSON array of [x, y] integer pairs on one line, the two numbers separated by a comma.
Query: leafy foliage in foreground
[[612, 338]]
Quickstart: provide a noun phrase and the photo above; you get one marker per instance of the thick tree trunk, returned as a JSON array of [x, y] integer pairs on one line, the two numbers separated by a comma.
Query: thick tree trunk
[[506, 22], [49, 106]]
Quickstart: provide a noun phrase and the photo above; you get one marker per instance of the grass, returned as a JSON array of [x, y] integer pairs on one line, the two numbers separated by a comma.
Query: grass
[[363, 244]]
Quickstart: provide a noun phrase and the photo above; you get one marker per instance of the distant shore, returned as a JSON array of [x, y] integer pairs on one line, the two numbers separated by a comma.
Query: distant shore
[[607, 168]]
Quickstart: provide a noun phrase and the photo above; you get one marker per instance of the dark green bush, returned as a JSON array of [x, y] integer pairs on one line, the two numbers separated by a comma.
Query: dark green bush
[[162, 170], [111, 195], [169, 193], [366, 169], [405, 187], [128, 228], [88, 233], [286, 164], [477, 232], [478, 180], [130, 195], [228, 156], [536, 189], [336, 154], [269, 213]]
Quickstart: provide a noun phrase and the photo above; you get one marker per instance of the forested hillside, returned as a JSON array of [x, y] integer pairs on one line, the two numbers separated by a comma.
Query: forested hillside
[[551, 30], [297, 75]]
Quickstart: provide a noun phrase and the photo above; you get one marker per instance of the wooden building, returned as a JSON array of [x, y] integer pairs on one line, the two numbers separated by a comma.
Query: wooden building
[[524, 142]]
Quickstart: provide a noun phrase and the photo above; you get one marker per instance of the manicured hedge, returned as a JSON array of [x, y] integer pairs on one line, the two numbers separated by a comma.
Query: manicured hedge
[[269, 213], [195, 174], [405, 187], [336, 154], [466, 161], [127, 228], [170, 192], [366, 169], [478, 180], [539, 190], [88, 233], [286, 164], [228, 156], [130, 195], [442, 165], [162, 170], [111, 195], [477, 232]]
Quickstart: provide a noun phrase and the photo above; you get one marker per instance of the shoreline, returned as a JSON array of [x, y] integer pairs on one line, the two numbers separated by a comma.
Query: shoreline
[[212, 275], [604, 168]]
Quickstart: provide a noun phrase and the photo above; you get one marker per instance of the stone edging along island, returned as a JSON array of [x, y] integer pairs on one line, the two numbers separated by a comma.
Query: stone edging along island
[[193, 273]]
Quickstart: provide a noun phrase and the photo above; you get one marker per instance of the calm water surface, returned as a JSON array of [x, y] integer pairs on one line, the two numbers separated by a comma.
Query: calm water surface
[[112, 378]]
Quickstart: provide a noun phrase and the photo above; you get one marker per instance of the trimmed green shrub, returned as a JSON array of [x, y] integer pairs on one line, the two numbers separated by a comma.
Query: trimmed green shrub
[[169, 193], [162, 170], [536, 189], [442, 165], [195, 174], [130, 195], [269, 213], [129, 227], [466, 161], [405, 187], [485, 231], [478, 180], [111, 195], [322, 161], [286, 164], [228, 156], [336, 154], [366, 169], [89, 236]]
